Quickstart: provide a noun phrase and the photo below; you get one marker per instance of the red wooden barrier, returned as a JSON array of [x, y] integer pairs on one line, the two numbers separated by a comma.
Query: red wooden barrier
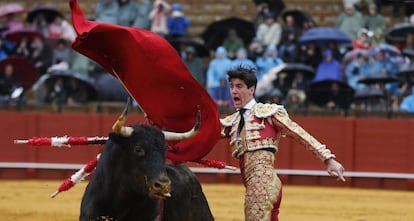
[[362, 145]]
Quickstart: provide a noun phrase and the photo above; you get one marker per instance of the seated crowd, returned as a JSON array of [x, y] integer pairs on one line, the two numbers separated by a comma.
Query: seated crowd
[[289, 71]]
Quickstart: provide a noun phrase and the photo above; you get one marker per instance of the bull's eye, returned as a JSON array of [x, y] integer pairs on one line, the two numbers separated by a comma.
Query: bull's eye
[[139, 151]]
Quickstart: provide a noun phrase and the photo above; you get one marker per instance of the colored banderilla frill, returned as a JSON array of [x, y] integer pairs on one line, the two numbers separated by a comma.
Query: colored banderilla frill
[[80, 175], [64, 141]]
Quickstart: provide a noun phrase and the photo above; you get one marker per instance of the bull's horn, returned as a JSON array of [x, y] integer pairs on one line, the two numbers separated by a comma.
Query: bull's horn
[[171, 136], [119, 127]]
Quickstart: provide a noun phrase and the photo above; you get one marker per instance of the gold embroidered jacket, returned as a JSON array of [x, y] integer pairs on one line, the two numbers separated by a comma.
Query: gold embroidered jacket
[[264, 127]]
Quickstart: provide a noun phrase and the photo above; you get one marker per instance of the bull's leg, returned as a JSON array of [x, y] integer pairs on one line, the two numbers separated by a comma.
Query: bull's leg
[[187, 201]]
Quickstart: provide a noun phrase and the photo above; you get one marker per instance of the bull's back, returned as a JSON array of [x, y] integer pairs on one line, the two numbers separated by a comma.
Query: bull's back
[[187, 201]]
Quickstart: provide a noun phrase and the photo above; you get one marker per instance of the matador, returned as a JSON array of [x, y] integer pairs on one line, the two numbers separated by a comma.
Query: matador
[[254, 141]]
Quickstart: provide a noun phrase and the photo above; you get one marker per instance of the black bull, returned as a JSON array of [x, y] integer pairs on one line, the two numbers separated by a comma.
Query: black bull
[[132, 182]]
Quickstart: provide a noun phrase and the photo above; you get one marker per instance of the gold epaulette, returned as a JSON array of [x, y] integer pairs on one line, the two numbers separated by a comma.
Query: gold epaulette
[[228, 121], [265, 110]]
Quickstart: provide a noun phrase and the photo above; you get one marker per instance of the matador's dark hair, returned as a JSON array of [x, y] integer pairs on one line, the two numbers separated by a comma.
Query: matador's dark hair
[[247, 75]]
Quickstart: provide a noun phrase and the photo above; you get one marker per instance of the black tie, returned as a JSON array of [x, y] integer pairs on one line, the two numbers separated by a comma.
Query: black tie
[[241, 123]]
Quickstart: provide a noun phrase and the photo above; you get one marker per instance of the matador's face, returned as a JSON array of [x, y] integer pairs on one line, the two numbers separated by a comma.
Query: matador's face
[[240, 93]]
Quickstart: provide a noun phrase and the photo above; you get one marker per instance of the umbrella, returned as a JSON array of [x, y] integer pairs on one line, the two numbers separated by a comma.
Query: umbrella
[[389, 50], [408, 52], [369, 92], [24, 70], [352, 55], [406, 73], [11, 8], [110, 89], [293, 68], [300, 17], [16, 35], [50, 77], [49, 12], [399, 31], [378, 78], [275, 6], [201, 49], [216, 32], [320, 93], [324, 35]]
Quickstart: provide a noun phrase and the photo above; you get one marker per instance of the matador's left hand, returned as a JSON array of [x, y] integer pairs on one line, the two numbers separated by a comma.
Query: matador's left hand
[[335, 169]]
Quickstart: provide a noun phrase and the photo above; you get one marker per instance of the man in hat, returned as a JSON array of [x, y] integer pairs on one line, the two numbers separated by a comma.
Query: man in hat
[[255, 131]]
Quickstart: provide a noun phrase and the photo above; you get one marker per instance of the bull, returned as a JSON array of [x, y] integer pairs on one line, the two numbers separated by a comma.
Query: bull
[[133, 182]]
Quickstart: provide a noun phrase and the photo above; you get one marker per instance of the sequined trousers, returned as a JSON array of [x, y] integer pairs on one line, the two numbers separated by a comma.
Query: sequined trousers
[[263, 186]]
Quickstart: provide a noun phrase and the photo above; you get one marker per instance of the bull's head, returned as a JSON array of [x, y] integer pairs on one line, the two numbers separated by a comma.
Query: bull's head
[[145, 151]]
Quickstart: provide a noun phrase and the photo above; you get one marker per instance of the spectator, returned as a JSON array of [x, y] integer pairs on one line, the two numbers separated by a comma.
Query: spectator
[[350, 21], [407, 104], [60, 28], [267, 61], [22, 48], [143, 9], [232, 43], [309, 54], [290, 33], [295, 99], [373, 102], [217, 70], [57, 94], [177, 22], [336, 51], [76, 93], [81, 63], [158, 17], [408, 42], [300, 81], [378, 37], [243, 60], [107, 11], [337, 99], [373, 66], [353, 72], [373, 20], [274, 96], [282, 83], [195, 65], [41, 55], [40, 25], [259, 17], [222, 95], [11, 90], [362, 41], [127, 13], [61, 52], [269, 32], [6, 48], [329, 68]]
